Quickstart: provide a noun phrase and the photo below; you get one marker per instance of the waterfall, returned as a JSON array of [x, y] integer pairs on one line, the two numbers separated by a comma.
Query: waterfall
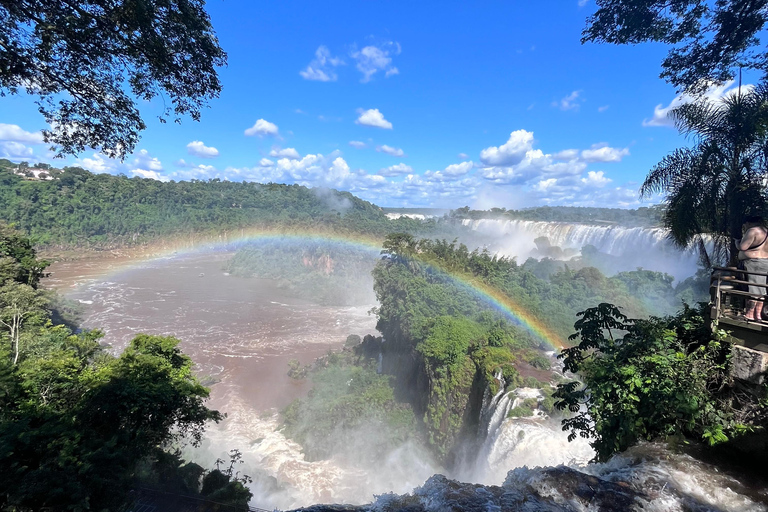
[[649, 248], [494, 412]]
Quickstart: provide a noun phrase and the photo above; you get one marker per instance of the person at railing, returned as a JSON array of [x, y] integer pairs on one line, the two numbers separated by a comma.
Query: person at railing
[[753, 252]]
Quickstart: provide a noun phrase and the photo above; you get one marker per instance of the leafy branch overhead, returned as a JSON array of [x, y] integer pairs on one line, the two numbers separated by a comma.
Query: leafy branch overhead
[[89, 62], [711, 39]]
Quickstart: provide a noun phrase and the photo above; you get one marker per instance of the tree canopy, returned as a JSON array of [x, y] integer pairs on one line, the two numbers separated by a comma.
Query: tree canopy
[[88, 62], [712, 186], [711, 39]]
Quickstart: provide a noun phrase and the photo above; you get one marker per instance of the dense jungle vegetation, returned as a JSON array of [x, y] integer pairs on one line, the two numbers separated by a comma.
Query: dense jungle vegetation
[[444, 342], [82, 209], [79, 427], [646, 216]]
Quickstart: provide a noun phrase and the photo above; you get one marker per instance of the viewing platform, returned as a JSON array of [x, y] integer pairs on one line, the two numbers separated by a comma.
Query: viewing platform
[[729, 294]]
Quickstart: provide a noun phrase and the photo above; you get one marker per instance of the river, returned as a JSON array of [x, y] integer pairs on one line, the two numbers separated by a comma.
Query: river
[[241, 333]]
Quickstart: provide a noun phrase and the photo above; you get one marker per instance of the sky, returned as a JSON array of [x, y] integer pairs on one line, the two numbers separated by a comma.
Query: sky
[[409, 104]]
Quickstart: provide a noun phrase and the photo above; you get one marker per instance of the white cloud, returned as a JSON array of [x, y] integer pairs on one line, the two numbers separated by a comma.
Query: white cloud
[[596, 179], [322, 66], [544, 185], [14, 133], [570, 102], [148, 174], [144, 160], [463, 156], [266, 162], [566, 154], [712, 94], [372, 59], [15, 150], [390, 150], [511, 152], [459, 169], [357, 144], [582, 3], [396, 170], [372, 117], [98, 163], [262, 128], [603, 153], [289, 153], [603, 108], [142, 164], [197, 148]]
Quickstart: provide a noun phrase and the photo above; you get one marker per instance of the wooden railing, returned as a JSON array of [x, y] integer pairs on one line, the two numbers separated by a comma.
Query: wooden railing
[[729, 295]]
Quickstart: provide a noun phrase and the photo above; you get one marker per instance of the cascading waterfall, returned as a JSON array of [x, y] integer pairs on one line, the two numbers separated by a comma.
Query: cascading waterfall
[[649, 248]]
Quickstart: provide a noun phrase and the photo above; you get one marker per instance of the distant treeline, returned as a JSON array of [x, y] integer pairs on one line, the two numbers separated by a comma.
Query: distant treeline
[[641, 217], [79, 208]]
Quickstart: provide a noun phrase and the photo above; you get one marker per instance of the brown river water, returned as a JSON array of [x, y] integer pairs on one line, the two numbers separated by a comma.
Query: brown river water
[[241, 333]]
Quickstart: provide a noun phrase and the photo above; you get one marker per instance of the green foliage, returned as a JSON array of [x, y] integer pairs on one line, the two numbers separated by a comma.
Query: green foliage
[[662, 378], [132, 50], [642, 217], [540, 362], [712, 38], [75, 422], [712, 186], [351, 411], [18, 258], [78, 208]]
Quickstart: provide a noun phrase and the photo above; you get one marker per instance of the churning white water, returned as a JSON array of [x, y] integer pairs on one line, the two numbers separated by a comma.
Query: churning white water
[[648, 248], [243, 332]]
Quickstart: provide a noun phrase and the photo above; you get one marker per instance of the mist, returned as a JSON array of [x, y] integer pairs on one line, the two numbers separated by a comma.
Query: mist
[[244, 316]]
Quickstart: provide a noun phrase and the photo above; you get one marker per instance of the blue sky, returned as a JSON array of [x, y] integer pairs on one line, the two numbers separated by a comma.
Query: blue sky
[[409, 104]]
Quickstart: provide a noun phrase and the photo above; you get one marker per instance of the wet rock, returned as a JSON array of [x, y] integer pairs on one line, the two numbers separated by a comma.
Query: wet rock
[[559, 489]]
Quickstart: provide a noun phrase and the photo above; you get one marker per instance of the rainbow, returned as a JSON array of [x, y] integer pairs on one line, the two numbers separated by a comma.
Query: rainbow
[[508, 306]]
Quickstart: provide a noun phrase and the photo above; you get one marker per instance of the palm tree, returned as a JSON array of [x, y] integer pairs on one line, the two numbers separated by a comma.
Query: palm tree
[[711, 187]]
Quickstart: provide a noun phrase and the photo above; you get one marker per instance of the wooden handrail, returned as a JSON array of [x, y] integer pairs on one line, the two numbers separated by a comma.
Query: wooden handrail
[[736, 270]]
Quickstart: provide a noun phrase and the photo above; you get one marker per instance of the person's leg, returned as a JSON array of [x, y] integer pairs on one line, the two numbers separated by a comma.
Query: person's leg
[[754, 306]]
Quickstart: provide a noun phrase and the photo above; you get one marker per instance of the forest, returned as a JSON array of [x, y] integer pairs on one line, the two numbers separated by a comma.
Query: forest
[[644, 216], [77, 208]]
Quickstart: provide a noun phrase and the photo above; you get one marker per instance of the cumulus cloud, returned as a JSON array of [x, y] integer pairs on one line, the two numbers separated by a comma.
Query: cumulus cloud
[[459, 169], [463, 156], [14, 133], [142, 164], [372, 117], [595, 179], [357, 144], [153, 175], [144, 160], [390, 150], [197, 148], [396, 170], [372, 59], [262, 128], [266, 162], [603, 153], [511, 152], [322, 66], [14, 150], [712, 94], [289, 153], [570, 102]]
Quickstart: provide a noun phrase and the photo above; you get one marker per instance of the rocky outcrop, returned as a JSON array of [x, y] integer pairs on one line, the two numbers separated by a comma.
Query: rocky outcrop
[[558, 489]]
